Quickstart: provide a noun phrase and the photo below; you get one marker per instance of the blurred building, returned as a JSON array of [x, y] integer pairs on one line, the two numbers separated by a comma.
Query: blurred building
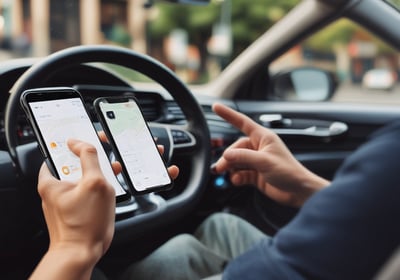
[[39, 27]]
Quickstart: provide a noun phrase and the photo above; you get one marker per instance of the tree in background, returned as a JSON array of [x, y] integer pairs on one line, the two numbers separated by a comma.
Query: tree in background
[[249, 20], [354, 49], [342, 33], [395, 2]]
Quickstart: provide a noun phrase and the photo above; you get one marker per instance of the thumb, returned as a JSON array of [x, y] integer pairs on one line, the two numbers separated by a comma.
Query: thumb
[[246, 159]]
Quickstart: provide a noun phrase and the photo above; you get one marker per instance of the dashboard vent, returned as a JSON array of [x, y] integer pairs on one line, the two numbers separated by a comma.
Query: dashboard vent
[[151, 104], [174, 112], [151, 108]]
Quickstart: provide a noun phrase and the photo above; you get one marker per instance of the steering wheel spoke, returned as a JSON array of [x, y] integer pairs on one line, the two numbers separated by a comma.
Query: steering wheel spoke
[[176, 139], [182, 139]]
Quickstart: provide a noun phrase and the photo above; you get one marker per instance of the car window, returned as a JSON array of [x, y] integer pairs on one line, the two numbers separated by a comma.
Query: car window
[[365, 68]]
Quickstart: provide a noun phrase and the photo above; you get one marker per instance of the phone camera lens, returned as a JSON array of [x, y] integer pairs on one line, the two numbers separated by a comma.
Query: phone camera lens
[[110, 114]]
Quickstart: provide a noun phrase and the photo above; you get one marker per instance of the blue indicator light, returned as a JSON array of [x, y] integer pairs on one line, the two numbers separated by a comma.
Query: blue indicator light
[[220, 182]]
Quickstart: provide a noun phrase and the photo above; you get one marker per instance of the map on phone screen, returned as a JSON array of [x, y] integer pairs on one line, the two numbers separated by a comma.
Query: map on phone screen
[[135, 144], [60, 120]]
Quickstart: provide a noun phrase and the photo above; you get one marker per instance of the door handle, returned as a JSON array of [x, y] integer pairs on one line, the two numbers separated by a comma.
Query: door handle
[[335, 129], [303, 127]]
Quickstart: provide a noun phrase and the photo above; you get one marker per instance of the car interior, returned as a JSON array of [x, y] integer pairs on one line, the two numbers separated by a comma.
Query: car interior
[[319, 132]]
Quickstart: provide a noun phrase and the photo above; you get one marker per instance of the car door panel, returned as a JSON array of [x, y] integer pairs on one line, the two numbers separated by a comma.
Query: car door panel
[[322, 154]]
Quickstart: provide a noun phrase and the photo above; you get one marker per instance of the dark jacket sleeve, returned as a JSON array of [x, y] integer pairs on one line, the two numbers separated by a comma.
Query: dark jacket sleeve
[[345, 231]]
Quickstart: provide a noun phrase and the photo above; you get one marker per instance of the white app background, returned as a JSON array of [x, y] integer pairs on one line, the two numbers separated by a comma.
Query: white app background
[[135, 144], [60, 120]]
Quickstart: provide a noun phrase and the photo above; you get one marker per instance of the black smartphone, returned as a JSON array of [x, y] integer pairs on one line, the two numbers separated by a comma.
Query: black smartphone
[[57, 114], [133, 144]]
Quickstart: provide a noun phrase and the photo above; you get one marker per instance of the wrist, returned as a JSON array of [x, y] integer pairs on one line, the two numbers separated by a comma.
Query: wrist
[[310, 184], [77, 258], [84, 254], [73, 262]]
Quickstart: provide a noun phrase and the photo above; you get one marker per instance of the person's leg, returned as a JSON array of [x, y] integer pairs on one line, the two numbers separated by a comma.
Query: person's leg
[[182, 257], [219, 238], [227, 235]]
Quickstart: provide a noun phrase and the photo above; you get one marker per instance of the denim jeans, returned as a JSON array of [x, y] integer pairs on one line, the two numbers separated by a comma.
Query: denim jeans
[[220, 238]]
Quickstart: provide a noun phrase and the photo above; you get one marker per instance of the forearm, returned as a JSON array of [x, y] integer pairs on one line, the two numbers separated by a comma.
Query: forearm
[[68, 263]]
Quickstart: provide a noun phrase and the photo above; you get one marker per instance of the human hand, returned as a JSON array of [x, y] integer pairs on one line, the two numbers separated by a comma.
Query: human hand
[[79, 215], [262, 159]]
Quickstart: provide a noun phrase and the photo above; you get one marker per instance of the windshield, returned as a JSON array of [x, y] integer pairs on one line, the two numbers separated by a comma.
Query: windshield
[[196, 41]]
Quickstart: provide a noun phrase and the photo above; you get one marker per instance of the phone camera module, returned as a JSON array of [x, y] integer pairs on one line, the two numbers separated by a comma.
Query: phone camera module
[[110, 115]]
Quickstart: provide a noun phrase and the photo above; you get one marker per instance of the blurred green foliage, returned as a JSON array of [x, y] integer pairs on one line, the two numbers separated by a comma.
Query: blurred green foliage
[[396, 3], [249, 19], [343, 32]]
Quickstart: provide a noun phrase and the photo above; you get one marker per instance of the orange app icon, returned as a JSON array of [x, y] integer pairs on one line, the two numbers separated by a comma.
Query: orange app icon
[[65, 170], [53, 145]]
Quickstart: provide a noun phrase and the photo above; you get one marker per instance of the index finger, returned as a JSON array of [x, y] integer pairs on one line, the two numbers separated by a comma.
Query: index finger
[[87, 154], [239, 120]]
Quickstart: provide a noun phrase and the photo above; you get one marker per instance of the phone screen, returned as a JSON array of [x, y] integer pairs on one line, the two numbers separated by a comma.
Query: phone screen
[[136, 147], [61, 119]]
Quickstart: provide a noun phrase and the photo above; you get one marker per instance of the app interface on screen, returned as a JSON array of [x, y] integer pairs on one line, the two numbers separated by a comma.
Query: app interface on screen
[[135, 144], [59, 120]]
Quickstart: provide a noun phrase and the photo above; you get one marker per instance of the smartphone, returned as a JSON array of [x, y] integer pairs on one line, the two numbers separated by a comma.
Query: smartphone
[[57, 114], [133, 144]]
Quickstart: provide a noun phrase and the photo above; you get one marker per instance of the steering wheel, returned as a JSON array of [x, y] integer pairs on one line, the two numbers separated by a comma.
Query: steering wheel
[[27, 158]]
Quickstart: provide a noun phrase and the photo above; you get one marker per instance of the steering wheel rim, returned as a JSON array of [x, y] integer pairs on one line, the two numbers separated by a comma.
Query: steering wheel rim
[[128, 227]]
